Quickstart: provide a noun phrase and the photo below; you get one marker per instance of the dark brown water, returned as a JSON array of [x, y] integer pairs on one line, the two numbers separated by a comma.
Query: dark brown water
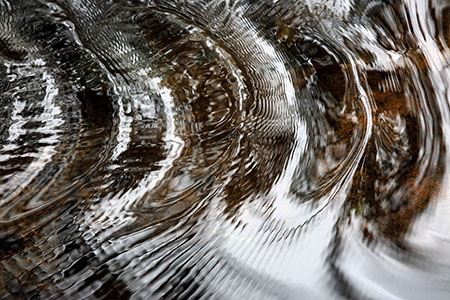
[[224, 149]]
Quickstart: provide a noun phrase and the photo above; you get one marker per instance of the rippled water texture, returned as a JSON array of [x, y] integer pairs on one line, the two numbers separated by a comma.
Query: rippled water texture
[[217, 149]]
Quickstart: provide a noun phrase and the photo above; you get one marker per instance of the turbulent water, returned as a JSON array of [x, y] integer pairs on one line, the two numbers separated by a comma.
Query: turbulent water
[[209, 149]]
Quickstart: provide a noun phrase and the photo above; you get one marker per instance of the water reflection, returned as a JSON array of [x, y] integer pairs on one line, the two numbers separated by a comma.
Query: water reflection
[[224, 149]]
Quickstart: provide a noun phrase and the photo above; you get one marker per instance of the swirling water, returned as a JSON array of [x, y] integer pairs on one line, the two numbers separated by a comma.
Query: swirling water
[[213, 149]]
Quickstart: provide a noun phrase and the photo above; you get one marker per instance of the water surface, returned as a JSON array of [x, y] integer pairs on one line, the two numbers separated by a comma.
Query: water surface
[[224, 149]]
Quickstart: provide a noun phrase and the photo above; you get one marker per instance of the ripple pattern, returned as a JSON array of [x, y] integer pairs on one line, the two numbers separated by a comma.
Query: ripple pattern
[[216, 149]]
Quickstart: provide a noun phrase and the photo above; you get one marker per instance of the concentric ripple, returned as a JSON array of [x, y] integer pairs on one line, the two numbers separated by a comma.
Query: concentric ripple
[[213, 149]]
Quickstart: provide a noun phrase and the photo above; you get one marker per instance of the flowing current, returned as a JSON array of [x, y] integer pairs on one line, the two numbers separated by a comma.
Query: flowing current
[[215, 149]]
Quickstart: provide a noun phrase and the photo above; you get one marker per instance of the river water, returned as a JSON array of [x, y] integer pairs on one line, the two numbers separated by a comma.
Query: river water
[[217, 149]]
